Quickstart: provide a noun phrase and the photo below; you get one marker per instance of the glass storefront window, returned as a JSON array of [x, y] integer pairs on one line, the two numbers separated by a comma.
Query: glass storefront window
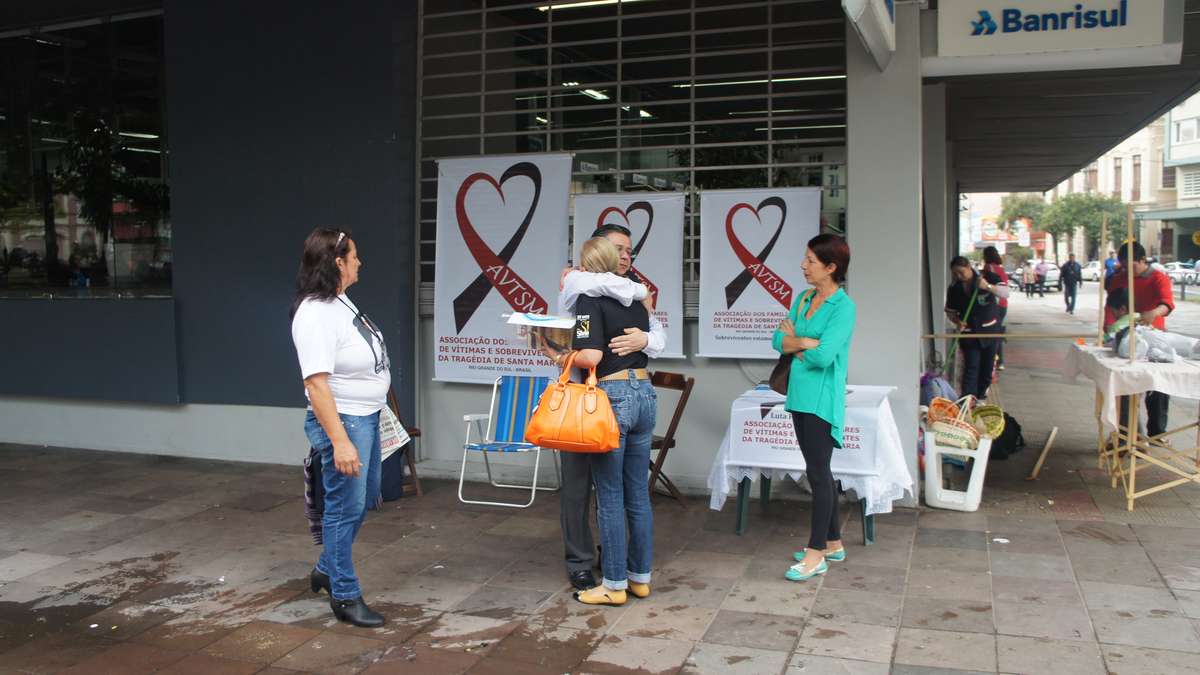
[[655, 95], [84, 196]]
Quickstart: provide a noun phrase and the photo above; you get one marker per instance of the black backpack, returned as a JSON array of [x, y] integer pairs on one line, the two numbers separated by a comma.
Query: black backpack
[[1010, 441]]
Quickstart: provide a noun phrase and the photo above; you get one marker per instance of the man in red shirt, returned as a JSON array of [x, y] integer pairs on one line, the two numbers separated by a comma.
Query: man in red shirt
[[1153, 299]]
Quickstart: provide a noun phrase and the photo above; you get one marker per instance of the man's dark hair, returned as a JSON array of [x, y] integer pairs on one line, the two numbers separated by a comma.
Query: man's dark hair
[[611, 227], [1117, 300], [1139, 252], [959, 261], [991, 256]]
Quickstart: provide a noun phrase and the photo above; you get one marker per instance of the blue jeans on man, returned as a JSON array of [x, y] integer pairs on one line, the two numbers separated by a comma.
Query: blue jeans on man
[[347, 498], [622, 496]]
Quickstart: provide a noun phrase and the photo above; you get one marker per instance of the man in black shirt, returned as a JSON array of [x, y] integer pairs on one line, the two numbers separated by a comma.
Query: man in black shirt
[[1071, 276], [972, 306]]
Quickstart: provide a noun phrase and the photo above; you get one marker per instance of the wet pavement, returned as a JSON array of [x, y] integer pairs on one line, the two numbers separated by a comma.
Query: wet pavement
[[123, 563]]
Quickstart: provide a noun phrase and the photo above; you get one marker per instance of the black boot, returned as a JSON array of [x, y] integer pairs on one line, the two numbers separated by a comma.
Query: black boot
[[317, 580], [356, 613]]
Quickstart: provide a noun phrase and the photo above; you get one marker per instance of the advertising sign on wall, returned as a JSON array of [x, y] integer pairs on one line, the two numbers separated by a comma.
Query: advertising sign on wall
[[752, 247], [501, 244]]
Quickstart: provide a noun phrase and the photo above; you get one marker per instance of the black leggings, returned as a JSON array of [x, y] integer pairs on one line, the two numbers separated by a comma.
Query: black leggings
[[817, 446]]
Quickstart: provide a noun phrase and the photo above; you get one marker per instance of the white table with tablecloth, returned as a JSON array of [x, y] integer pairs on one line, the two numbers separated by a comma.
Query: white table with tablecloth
[[761, 441], [1122, 447]]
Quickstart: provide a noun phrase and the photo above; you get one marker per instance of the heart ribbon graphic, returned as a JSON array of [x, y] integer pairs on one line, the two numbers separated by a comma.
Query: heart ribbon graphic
[[496, 273], [648, 209], [756, 266]]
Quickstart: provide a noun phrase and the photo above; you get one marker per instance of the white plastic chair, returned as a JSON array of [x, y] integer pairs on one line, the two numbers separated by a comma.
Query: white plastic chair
[[957, 500]]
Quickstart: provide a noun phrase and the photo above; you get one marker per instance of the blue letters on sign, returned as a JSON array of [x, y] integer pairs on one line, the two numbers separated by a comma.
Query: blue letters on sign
[[1013, 20]]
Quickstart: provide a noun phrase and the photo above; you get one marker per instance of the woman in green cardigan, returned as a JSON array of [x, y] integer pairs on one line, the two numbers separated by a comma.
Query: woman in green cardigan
[[818, 331]]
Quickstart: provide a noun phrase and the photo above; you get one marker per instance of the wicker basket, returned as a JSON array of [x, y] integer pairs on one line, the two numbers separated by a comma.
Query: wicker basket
[[941, 409], [989, 420], [957, 431]]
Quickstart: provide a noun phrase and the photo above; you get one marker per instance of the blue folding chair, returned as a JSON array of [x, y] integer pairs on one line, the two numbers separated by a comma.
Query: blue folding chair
[[513, 401]]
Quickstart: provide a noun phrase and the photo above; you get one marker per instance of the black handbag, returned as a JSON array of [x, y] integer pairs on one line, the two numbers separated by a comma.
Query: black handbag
[[780, 373], [783, 368]]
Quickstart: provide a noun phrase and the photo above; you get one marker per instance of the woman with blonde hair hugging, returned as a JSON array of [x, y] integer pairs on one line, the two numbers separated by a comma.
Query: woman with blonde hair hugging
[[623, 503]]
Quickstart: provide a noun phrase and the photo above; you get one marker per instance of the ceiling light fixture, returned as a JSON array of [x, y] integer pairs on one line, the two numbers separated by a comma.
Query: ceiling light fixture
[[815, 126], [811, 78], [582, 3], [598, 95], [133, 134]]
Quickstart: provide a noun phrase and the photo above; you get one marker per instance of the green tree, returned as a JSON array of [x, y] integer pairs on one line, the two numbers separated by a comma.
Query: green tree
[[1016, 256], [1087, 210], [1017, 205]]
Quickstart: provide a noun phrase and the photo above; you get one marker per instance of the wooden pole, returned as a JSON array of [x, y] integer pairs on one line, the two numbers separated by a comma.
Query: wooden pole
[[1015, 336], [1129, 273], [1103, 280], [1037, 468]]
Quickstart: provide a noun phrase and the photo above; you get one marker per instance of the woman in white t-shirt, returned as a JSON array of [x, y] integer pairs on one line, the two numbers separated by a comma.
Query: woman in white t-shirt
[[347, 376]]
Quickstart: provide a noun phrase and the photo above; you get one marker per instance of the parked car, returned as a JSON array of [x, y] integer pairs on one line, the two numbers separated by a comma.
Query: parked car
[[1093, 271], [1180, 273]]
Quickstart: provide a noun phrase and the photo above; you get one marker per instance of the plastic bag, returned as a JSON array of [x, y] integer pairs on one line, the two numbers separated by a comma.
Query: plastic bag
[[1158, 346]]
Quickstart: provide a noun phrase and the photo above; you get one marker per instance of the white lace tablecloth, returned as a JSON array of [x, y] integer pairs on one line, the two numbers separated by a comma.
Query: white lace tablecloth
[[1116, 376], [760, 441]]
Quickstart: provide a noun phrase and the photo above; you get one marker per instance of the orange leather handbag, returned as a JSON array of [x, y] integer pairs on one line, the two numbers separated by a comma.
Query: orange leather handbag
[[574, 417]]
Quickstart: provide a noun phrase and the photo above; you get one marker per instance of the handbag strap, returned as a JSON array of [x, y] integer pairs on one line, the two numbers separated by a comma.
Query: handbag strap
[[964, 407], [569, 363]]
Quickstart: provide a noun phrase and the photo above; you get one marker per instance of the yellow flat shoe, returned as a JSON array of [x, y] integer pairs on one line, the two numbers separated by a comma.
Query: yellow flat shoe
[[601, 596], [639, 590]]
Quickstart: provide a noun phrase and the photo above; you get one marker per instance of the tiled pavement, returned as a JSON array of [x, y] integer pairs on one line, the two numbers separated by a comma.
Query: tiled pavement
[[115, 563]]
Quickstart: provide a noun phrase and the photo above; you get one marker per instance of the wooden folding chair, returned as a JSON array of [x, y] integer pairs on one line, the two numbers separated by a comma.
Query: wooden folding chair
[[413, 484], [682, 384]]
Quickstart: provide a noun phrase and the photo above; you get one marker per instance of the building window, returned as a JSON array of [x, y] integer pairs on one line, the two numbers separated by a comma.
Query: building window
[[1185, 131], [1135, 194], [1091, 179], [1191, 184], [84, 204], [675, 95], [1168, 176], [1116, 177]]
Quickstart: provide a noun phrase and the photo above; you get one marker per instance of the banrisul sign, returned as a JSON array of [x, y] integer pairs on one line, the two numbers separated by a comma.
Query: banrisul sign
[[1080, 17], [1011, 36]]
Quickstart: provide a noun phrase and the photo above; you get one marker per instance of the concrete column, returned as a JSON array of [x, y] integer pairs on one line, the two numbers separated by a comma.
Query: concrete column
[[884, 148], [937, 193]]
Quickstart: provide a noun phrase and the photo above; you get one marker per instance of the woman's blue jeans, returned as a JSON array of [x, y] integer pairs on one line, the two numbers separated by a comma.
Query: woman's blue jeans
[[622, 497], [346, 497]]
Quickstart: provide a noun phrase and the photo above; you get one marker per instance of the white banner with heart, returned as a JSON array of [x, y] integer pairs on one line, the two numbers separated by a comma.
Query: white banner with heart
[[501, 244], [655, 222], [752, 245]]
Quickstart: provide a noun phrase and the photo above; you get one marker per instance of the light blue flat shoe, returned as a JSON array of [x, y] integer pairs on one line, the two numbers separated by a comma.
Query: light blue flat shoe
[[796, 572], [831, 557]]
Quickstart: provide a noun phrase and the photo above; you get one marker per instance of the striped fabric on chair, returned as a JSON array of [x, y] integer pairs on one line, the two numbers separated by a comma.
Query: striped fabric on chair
[[513, 401], [518, 396]]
